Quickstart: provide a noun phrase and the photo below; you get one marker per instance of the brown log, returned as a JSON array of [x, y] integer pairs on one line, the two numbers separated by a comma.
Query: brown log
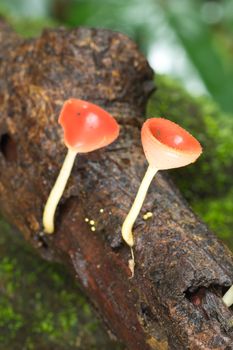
[[174, 300]]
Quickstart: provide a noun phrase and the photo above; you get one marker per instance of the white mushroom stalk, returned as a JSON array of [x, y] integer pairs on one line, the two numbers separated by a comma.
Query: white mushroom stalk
[[57, 191], [228, 297], [130, 219]]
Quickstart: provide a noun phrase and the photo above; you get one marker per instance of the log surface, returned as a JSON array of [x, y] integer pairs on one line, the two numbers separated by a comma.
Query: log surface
[[174, 300]]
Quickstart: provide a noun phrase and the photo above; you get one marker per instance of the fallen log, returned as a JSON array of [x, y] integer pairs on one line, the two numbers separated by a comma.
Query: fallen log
[[174, 300]]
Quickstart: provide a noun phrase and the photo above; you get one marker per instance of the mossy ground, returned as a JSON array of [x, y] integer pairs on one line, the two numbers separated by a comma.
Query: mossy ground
[[207, 184], [40, 305]]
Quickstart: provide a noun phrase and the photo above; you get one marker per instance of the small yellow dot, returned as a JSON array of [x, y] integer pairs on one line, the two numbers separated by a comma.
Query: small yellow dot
[[92, 222], [101, 210], [93, 228], [86, 219], [147, 215]]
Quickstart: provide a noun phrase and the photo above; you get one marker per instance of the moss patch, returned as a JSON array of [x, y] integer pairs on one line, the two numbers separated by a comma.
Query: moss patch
[[40, 305]]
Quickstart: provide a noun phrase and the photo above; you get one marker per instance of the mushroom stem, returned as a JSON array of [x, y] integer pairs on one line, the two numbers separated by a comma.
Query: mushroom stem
[[127, 226], [228, 297], [57, 191]]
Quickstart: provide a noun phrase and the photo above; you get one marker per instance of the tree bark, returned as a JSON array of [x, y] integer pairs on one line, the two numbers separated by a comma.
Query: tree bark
[[174, 300]]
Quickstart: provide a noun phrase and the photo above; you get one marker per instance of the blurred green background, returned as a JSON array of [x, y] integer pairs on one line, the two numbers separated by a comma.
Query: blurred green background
[[189, 44]]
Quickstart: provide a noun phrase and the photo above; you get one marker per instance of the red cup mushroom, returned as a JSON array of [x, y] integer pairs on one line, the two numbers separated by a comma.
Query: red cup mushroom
[[87, 127], [166, 146]]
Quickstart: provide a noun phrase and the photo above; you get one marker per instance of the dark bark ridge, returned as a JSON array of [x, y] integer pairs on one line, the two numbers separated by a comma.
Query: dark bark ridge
[[174, 300]]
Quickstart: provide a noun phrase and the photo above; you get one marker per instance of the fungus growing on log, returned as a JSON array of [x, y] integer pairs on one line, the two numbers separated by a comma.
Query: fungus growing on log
[[166, 146], [87, 127]]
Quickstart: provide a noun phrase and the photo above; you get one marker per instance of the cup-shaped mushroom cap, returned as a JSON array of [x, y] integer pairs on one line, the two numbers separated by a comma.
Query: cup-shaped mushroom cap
[[167, 145], [87, 126]]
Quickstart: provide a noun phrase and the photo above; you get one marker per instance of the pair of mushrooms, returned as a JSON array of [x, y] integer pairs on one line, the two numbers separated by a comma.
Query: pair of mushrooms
[[88, 127]]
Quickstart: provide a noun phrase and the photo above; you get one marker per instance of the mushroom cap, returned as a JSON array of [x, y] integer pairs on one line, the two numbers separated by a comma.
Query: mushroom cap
[[167, 145], [87, 126]]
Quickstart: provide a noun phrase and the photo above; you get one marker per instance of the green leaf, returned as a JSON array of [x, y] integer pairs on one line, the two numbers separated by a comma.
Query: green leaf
[[212, 63]]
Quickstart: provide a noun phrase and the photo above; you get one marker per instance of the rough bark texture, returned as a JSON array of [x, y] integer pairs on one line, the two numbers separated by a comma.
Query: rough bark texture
[[174, 300]]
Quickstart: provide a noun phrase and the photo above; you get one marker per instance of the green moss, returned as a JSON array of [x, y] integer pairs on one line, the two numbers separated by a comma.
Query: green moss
[[218, 214], [40, 305], [207, 184]]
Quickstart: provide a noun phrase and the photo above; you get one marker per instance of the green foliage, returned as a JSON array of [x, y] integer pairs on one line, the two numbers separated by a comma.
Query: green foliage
[[207, 53], [207, 184], [31, 28], [28, 27]]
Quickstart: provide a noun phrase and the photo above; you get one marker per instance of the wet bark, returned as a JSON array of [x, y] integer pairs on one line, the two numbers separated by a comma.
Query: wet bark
[[174, 300]]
